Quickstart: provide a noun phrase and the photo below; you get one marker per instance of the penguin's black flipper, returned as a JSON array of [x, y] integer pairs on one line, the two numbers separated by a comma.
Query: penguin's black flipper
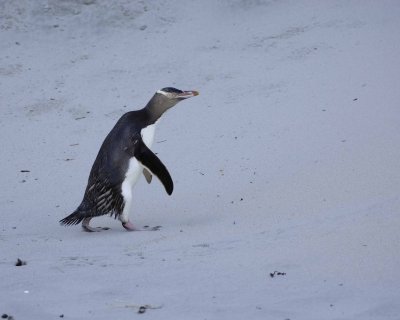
[[151, 162]]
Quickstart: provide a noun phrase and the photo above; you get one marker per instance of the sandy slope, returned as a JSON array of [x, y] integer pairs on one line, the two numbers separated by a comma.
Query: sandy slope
[[287, 161]]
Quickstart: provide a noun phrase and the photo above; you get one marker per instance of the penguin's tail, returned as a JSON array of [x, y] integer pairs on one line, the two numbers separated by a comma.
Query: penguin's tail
[[74, 218]]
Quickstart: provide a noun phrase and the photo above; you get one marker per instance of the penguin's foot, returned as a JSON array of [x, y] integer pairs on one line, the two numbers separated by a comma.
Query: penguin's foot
[[96, 229], [87, 228], [130, 227]]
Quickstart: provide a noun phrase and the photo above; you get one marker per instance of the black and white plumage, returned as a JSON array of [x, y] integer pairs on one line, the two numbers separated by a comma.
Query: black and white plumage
[[124, 155]]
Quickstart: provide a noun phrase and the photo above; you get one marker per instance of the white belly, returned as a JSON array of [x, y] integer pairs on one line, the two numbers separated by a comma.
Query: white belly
[[135, 169]]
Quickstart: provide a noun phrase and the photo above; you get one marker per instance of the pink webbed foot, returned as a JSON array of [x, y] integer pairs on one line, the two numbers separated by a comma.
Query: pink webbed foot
[[87, 228], [130, 227]]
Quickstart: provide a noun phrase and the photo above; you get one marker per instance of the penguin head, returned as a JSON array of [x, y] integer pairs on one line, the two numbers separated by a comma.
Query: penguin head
[[166, 98], [176, 94]]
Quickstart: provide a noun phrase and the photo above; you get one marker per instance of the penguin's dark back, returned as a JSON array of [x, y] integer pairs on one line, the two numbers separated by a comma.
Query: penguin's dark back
[[112, 156]]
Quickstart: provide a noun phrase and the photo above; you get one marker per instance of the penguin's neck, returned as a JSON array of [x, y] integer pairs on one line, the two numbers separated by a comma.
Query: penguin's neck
[[153, 111], [155, 108], [151, 117]]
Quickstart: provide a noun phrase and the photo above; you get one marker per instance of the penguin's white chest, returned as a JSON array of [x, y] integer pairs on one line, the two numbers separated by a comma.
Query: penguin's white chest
[[135, 168], [148, 135]]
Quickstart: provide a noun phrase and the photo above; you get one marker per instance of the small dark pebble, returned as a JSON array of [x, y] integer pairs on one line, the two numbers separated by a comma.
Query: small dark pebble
[[142, 309], [355, 99], [61, 316], [25, 171], [20, 263], [4, 316], [277, 273]]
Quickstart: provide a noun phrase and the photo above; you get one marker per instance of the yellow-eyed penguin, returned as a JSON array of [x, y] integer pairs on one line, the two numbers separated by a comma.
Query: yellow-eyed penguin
[[124, 155]]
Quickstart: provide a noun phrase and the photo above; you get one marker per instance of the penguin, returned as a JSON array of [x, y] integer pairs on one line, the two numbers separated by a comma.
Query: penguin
[[123, 157]]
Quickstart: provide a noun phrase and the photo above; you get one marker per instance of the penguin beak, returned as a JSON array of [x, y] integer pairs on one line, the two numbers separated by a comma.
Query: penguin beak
[[187, 94]]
